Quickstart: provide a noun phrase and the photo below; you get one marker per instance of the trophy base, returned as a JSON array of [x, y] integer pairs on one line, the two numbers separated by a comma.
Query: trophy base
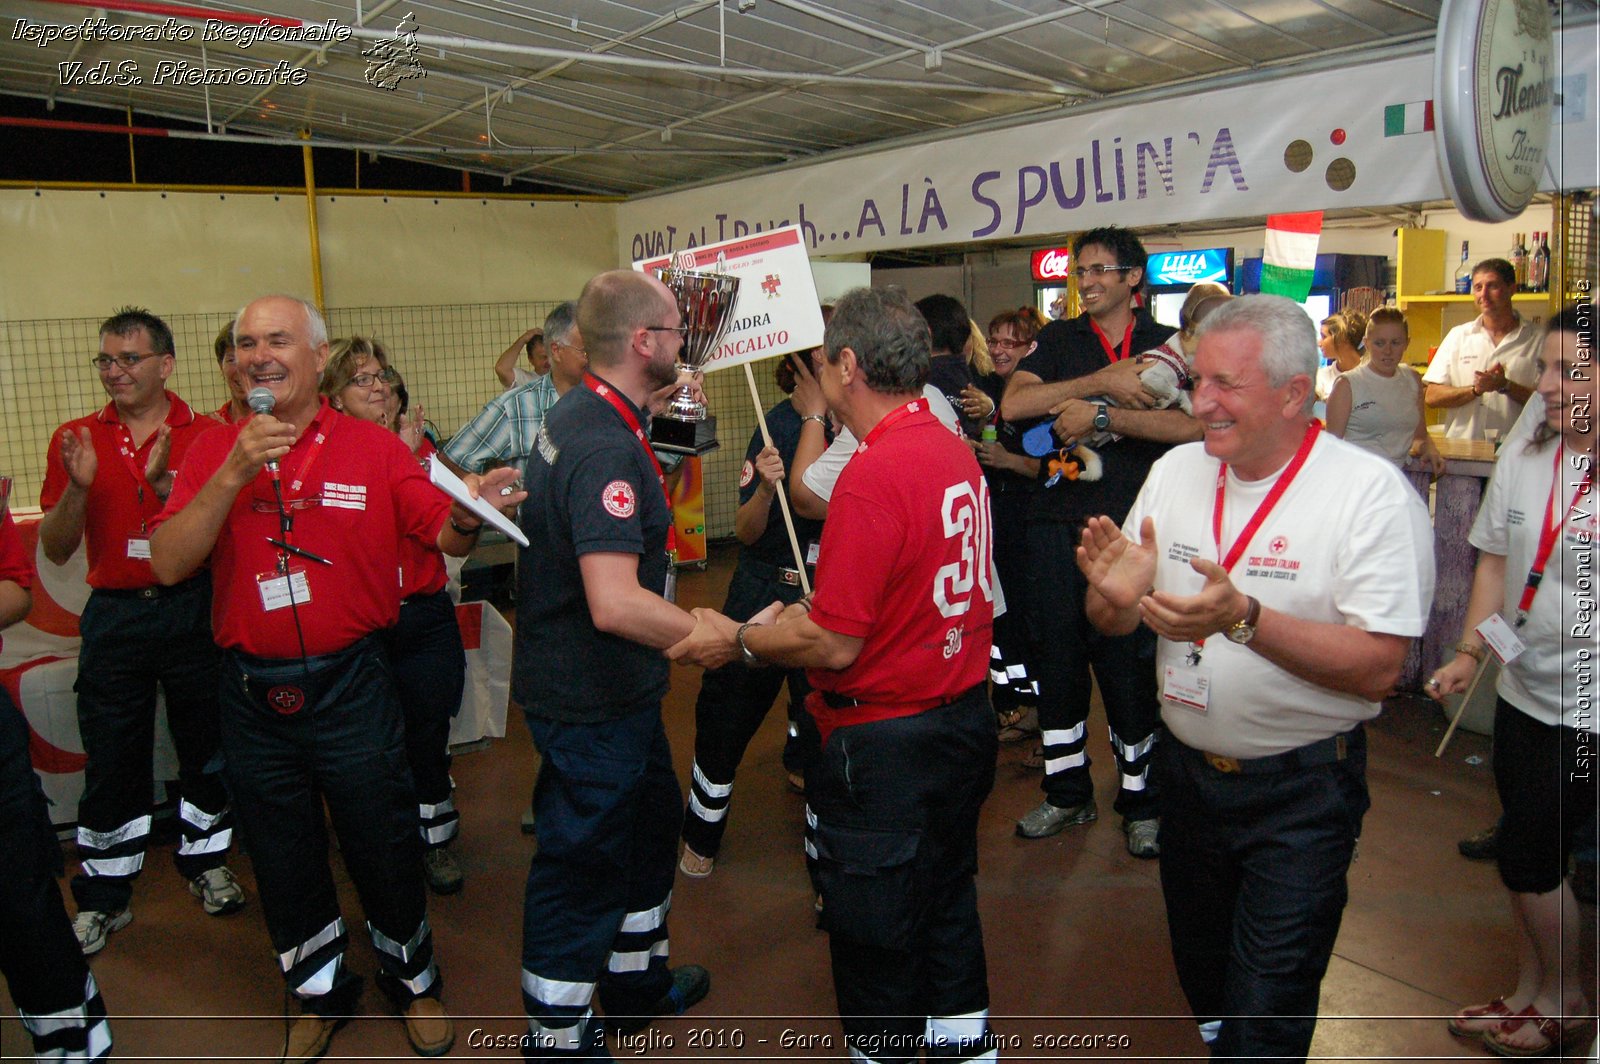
[[684, 437]]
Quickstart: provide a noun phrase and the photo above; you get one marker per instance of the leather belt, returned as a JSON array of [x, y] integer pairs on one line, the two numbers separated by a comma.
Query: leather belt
[[155, 591], [1322, 752]]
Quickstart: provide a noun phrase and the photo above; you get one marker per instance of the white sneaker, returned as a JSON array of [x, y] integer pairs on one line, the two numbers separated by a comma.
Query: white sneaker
[[92, 926], [219, 892]]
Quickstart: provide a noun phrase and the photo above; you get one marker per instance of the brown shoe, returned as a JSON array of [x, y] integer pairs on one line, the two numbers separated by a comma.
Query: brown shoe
[[427, 1027], [309, 1038]]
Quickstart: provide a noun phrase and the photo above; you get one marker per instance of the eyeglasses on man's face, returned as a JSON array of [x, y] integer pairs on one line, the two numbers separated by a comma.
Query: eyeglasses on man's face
[[369, 380], [103, 363], [1098, 271], [681, 330]]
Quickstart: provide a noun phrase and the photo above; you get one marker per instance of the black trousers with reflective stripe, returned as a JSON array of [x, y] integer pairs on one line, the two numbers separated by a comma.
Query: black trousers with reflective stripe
[[344, 746], [39, 956], [430, 672], [130, 646], [733, 702], [897, 805]]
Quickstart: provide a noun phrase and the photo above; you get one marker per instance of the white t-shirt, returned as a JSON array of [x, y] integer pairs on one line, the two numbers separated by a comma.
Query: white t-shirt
[[1348, 543], [823, 474], [1467, 350], [1544, 681], [1383, 411], [521, 375]]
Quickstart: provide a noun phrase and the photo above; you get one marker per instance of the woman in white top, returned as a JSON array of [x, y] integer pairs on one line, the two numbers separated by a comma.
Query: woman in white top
[[1340, 341], [1540, 501], [1378, 405]]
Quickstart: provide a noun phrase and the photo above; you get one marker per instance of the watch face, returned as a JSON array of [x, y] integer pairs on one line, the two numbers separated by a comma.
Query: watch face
[[1241, 633]]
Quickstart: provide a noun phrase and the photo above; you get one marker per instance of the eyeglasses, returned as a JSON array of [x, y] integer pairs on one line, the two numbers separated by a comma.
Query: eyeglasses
[[1098, 271], [367, 380], [1009, 345], [103, 363], [270, 506], [681, 330]]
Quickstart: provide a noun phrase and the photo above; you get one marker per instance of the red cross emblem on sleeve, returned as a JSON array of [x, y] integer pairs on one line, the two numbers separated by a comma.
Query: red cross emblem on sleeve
[[618, 498]]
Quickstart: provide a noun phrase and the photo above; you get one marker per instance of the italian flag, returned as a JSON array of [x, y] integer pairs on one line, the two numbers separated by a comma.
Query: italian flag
[[1291, 254], [1400, 119]]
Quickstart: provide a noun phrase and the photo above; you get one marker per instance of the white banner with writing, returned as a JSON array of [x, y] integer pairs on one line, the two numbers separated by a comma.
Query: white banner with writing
[[1315, 141]]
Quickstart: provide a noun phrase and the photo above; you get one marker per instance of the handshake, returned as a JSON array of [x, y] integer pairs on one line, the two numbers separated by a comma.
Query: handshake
[[714, 641]]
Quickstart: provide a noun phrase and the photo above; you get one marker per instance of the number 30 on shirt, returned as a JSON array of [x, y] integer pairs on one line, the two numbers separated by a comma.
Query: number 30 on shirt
[[965, 515]]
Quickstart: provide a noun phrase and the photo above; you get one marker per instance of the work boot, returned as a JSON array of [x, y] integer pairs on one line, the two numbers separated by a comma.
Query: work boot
[[690, 984], [428, 1029]]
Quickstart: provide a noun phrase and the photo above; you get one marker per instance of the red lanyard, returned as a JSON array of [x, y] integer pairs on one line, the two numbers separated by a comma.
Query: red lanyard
[[625, 412], [128, 452], [1105, 341], [1279, 486], [889, 421], [311, 456], [1275, 493], [1548, 533]]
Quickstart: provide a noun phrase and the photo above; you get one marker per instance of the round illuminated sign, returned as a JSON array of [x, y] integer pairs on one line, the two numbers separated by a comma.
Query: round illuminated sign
[[1494, 89]]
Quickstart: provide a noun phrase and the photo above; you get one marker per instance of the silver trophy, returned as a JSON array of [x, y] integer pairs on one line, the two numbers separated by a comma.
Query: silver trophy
[[706, 302]]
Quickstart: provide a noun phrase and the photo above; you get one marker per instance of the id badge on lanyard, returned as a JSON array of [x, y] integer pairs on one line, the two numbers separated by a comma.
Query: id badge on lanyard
[[280, 590]]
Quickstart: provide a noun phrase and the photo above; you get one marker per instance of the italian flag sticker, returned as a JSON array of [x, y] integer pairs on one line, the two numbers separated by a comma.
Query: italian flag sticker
[[1400, 119]]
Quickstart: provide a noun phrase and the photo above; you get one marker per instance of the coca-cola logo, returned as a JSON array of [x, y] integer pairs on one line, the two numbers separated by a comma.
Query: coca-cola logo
[[1052, 264]]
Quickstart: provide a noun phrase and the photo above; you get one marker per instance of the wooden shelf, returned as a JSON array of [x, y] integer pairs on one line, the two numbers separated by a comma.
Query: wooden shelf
[[1518, 298]]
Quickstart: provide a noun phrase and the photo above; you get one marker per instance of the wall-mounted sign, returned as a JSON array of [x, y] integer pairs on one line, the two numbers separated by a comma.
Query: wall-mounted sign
[[1190, 267], [1494, 89], [1052, 265]]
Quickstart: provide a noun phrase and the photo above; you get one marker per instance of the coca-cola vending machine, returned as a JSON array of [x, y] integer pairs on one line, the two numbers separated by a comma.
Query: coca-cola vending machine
[[1052, 267]]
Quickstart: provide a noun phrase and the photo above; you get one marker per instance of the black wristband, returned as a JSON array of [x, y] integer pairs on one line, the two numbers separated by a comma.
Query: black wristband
[[467, 532]]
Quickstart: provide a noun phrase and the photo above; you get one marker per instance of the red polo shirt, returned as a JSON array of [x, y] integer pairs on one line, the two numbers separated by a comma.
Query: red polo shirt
[[361, 495], [906, 567], [13, 559], [122, 504], [422, 570]]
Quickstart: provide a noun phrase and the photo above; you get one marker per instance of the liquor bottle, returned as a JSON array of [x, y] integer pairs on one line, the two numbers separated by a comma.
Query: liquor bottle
[[1463, 275], [1519, 261], [1539, 263]]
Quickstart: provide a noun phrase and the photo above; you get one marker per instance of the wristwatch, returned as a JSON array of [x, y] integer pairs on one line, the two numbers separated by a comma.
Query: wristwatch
[[745, 654], [1102, 418], [1242, 632]]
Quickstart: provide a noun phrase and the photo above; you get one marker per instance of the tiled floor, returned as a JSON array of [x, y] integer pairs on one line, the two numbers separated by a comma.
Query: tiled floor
[[1076, 937]]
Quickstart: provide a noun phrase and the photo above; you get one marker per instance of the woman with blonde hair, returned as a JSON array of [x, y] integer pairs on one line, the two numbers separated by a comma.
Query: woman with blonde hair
[[1378, 405], [1340, 339]]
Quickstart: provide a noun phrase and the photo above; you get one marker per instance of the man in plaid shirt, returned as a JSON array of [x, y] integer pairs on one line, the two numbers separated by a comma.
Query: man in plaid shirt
[[503, 431]]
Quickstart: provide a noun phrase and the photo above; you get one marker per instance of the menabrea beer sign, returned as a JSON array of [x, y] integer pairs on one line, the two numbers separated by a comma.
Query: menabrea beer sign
[[1495, 85]]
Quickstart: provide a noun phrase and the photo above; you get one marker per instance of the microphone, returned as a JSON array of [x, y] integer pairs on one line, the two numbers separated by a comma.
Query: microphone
[[261, 401]]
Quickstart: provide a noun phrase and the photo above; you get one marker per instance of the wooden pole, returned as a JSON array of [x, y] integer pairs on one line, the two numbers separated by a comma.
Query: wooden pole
[[1472, 688], [783, 497]]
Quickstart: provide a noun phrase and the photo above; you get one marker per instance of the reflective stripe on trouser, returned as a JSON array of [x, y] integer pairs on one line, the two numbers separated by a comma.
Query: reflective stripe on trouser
[[410, 963], [599, 886], [77, 1033], [203, 832], [1133, 761], [440, 822], [313, 967], [132, 650], [343, 751], [117, 852]]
